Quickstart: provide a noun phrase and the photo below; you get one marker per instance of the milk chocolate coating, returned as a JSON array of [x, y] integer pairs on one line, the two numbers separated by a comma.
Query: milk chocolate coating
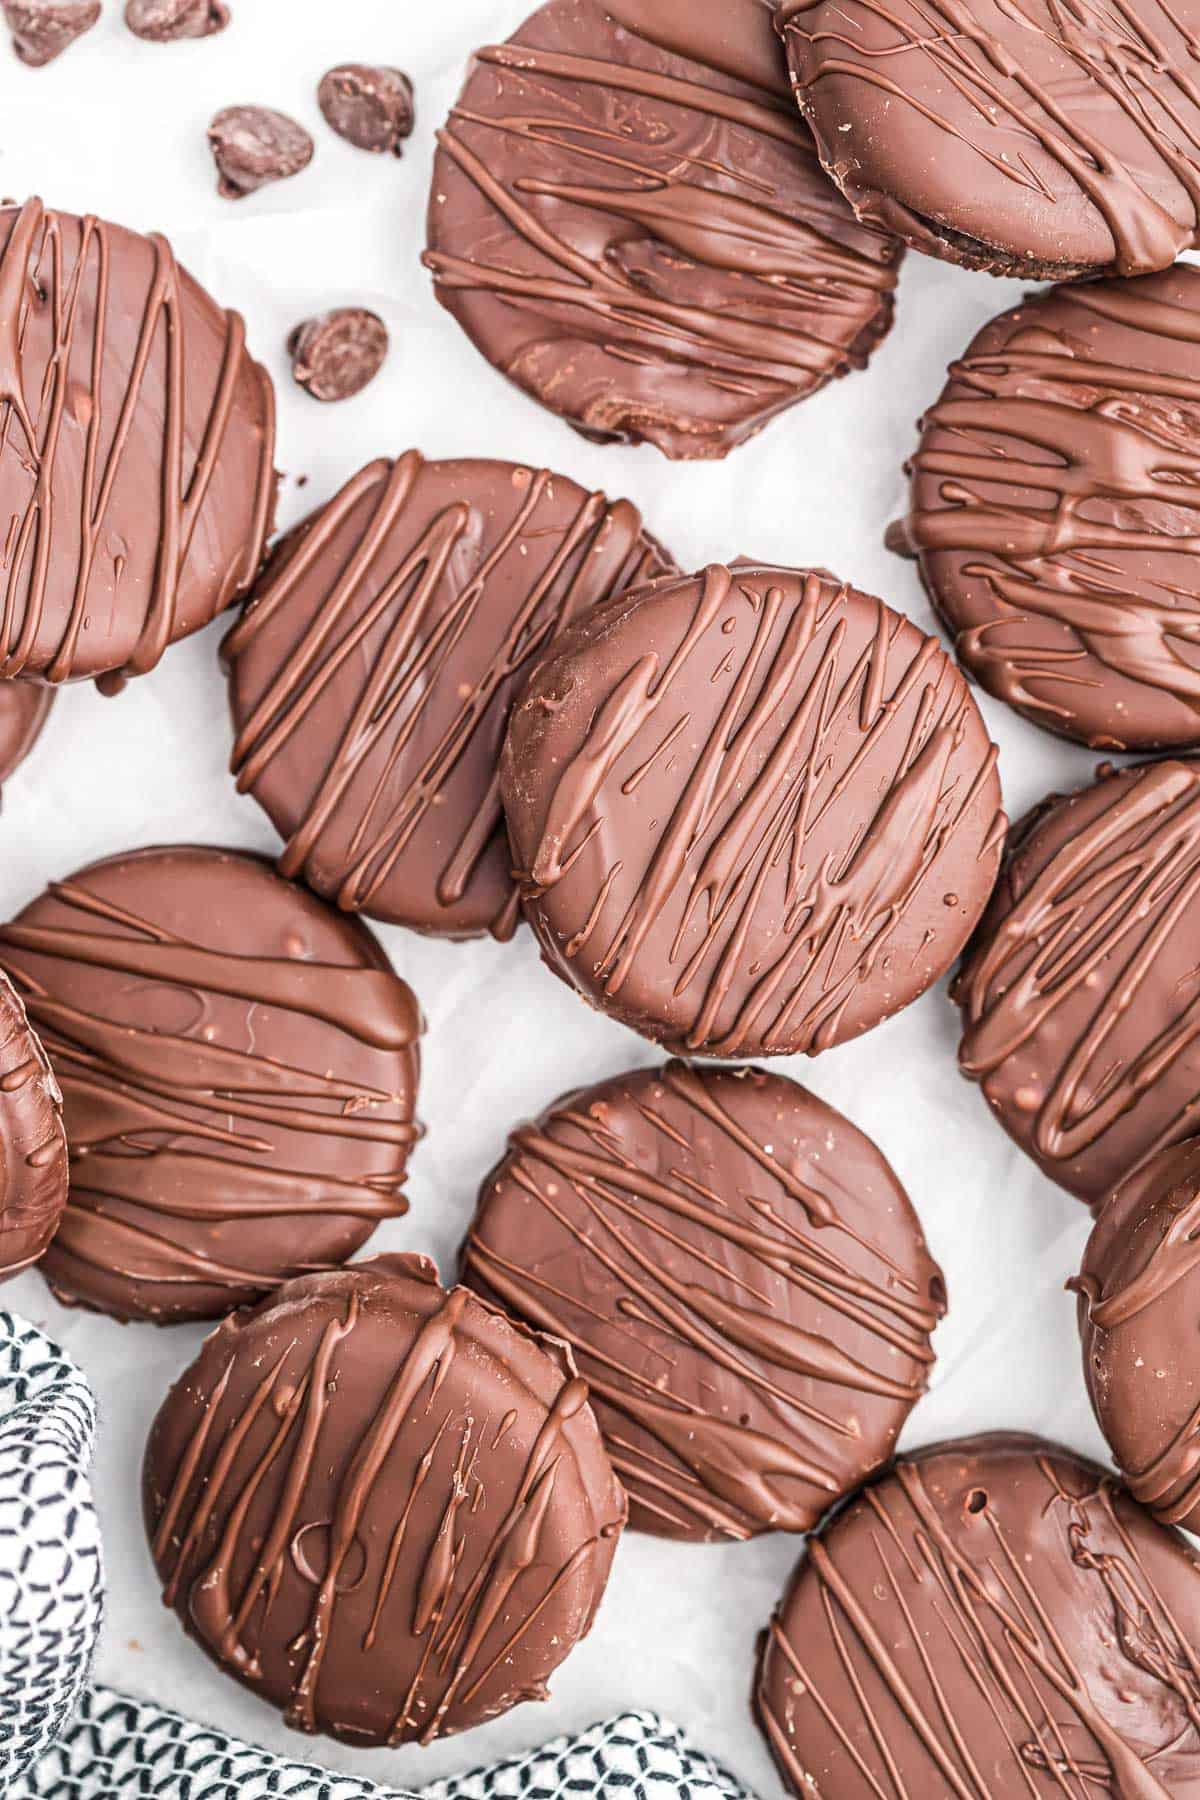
[[994, 1617], [1080, 1008], [239, 1069], [24, 709], [33, 1144], [1029, 139], [742, 1280], [1051, 511], [753, 812], [371, 677], [642, 241], [381, 1505], [136, 446], [1139, 1322]]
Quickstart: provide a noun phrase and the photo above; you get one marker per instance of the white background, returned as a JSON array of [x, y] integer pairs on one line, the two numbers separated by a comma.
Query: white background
[[117, 126]]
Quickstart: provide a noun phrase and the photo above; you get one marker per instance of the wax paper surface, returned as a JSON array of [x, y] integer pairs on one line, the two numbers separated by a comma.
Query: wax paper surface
[[118, 126]]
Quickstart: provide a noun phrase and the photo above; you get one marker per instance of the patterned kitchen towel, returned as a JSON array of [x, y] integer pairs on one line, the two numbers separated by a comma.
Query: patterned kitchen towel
[[116, 1748], [61, 1740], [51, 1576]]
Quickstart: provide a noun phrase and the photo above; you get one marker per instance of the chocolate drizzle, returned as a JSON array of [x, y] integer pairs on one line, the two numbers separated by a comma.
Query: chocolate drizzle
[[1025, 136], [740, 1277], [239, 1069], [1139, 1293], [1081, 1015], [994, 1617], [33, 1145], [1052, 515], [753, 811], [643, 241], [136, 442], [371, 677], [380, 1506]]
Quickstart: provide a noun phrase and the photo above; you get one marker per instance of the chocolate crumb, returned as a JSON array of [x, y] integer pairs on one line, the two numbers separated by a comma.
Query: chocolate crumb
[[42, 29], [371, 108], [167, 21], [336, 354], [253, 145]]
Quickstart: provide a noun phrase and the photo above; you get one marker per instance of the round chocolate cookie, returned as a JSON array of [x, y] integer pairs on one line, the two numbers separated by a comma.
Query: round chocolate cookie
[[1080, 1006], [741, 1278], [380, 1505], [1029, 139], [642, 239], [753, 811], [24, 709], [239, 1068], [33, 1144], [1050, 510], [1139, 1319], [136, 446], [993, 1617], [371, 677]]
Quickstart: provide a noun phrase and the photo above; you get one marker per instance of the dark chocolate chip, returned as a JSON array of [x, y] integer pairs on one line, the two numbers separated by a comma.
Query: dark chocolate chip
[[337, 353], [253, 145], [42, 29], [166, 21], [370, 107]]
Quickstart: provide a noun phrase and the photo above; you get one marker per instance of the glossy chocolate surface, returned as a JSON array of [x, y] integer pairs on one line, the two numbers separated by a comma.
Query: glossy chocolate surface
[[380, 1505]]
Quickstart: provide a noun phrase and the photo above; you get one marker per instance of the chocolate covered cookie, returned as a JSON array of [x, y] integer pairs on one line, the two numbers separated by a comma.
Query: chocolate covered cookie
[[742, 1280], [639, 235], [381, 1505], [753, 811], [1139, 1321], [1032, 139], [239, 1069], [992, 1617], [371, 677], [33, 1144], [1080, 1008], [1055, 510], [135, 451]]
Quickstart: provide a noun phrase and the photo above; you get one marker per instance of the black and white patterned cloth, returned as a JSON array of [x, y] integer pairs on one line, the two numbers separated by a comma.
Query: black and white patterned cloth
[[63, 1740], [51, 1576], [121, 1749]]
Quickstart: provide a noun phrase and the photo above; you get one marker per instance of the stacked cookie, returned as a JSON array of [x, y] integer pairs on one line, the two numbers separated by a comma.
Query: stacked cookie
[[747, 811]]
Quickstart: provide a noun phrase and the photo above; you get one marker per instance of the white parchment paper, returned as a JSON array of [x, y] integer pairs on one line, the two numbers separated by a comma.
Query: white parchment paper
[[117, 126]]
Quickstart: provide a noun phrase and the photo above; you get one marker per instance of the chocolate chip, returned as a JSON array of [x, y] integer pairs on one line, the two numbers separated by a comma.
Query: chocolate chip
[[370, 107], [42, 29], [252, 145], [165, 21], [336, 354]]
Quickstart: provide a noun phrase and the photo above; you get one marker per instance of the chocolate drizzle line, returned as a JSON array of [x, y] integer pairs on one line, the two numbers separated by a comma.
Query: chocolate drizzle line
[[88, 299], [753, 791], [1043, 461], [713, 260], [1081, 946], [935, 1666], [482, 1578], [171, 1134], [1119, 61], [408, 601], [671, 1250]]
